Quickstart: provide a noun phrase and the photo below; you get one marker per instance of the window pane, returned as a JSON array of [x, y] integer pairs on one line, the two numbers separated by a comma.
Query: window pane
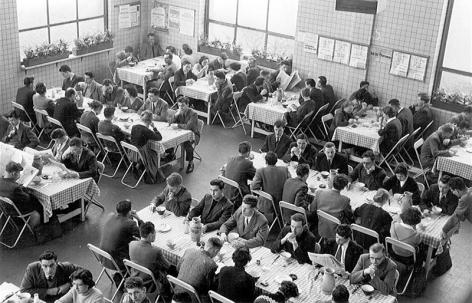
[[91, 27], [250, 40], [283, 16], [458, 54], [220, 32], [223, 10], [90, 8], [61, 11], [280, 46], [454, 83], [31, 13], [66, 32], [32, 38], [252, 13]]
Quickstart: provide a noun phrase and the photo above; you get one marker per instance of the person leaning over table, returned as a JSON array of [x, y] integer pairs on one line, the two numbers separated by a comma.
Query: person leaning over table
[[135, 291], [436, 145], [89, 119], [360, 108], [327, 91], [93, 89], [390, 131], [461, 127], [234, 282], [343, 116], [238, 79], [40, 101], [278, 142], [201, 68], [422, 114], [184, 76], [175, 56], [67, 113], [252, 93], [463, 210], [156, 105], [439, 195], [286, 291], [132, 101], [80, 160], [47, 277], [364, 95], [150, 48], [296, 239], [82, 290], [107, 128], [125, 57], [401, 183], [301, 151], [24, 97], [224, 96], [297, 114], [214, 209], [175, 196], [61, 143], [18, 134], [70, 79], [368, 172], [295, 190], [376, 269], [328, 159], [163, 73], [112, 95], [248, 223]]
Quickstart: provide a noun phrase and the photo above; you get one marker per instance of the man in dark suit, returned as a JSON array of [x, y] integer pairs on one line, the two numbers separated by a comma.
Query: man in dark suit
[[90, 119], [277, 142], [70, 79], [314, 92], [24, 96], [239, 78], [18, 134], [248, 223], [406, 119], [252, 93], [329, 159], [67, 113], [301, 151], [440, 195], [368, 173], [112, 95], [81, 160], [391, 132], [239, 169], [270, 179], [327, 91], [107, 128], [308, 105], [214, 209], [296, 190], [47, 277]]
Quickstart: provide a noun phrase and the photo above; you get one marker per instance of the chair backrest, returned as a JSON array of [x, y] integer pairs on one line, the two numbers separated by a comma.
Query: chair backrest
[[336, 105], [41, 117], [130, 149], [263, 194], [402, 245], [7, 200], [22, 108], [420, 187], [366, 231], [397, 277], [200, 124], [55, 122], [97, 252], [418, 143], [324, 121], [395, 148], [174, 281], [319, 112], [326, 216], [420, 135], [414, 133], [85, 129], [304, 121], [219, 298], [285, 205], [109, 143], [230, 182], [131, 265]]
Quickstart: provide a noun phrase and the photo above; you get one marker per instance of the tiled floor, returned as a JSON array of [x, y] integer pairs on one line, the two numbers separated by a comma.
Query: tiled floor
[[216, 146]]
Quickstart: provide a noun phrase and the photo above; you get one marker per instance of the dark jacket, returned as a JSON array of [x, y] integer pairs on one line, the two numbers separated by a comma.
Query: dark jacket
[[406, 118], [363, 95], [252, 73], [188, 119], [151, 257], [179, 204], [308, 156], [241, 170], [280, 148], [329, 96], [87, 165], [107, 128], [410, 185], [148, 51], [224, 96], [384, 278], [255, 232], [375, 218], [306, 243], [353, 252], [71, 82], [22, 138], [295, 117], [24, 96], [141, 134], [339, 162], [116, 96], [236, 284], [341, 118], [180, 77], [390, 134], [421, 117], [296, 192], [67, 113], [372, 181], [250, 94], [20, 196], [431, 149], [90, 120], [212, 217], [239, 80], [430, 198]]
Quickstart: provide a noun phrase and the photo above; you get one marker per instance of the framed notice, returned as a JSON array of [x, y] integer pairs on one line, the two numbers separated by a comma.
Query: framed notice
[[400, 64], [342, 52], [417, 69], [325, 48], [160, 16], [129, 15], [358, 56]]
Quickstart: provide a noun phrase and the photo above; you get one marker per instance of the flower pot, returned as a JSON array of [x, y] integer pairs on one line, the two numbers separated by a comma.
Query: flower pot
[[41, 60], [92, 48], [267, 63], [215, 51]]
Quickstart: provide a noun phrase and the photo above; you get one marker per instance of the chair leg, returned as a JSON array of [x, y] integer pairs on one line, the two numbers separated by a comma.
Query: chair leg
[[139, 180]]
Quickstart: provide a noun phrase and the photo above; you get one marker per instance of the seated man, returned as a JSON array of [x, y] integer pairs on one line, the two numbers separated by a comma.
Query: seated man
[[401, 183], [112, 95], [390, 131], [252, 93], [368, 173], [252, 70], [297, 114], [295, 190], [314, 92], [19, 195], [118, 231], [198, 268], [90, 119], [327, 91], [406, 119], [220, 62], [135, 291], [24, 96], [70, 79], [238, 79], [47, 277], [107, 128], [301, 151], [248, 223], [329, 159], [224, 95], [175, 196], [18, 134], [377, 270], [175, 56], [464, 208], [277, 142], [364, 95], [436, 145], [184, 76], [214, 209], [163, 73], [150, 48], [297, 240], [61, 143], [93, 89], [157, 106], [81, 160], [422, 114], [267, 86], [132, 101], [439, 195], [125, 57]]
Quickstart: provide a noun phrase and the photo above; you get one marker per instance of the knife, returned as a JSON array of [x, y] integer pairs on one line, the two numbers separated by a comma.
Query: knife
[[275, 259]]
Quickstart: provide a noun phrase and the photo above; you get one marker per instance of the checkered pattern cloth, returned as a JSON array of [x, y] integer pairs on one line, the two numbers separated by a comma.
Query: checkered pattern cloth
[[364, 135], [200, 90], [267, 113], [460, 164], [137, 74]]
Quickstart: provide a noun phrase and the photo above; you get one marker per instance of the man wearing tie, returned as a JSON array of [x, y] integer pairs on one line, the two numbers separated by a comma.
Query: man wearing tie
[[18, 134], [278, 142], [155, 105], [440, 195], [81, 160], [329, 159], [301, 151]]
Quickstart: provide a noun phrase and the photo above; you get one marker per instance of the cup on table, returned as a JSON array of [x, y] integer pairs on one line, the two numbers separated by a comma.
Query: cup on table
[[161, 210]]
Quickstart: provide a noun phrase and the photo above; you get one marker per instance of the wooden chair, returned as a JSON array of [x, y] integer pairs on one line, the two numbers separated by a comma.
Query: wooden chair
[[238, 120], [216, 297], [133, 155], [196, 155], [365, 231], [189, 288], [419, 171], [5, 205], [130, 266], [288, 206], [110, 145], [391, 155], [85, 130], [324, 120], [267, 196], [390, 242], [21, 108]]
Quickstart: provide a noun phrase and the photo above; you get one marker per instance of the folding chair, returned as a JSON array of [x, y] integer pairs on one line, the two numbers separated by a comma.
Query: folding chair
[[132, 153], [420, 135], [84, 129], [410, 137], [216, 297], [299, 128], [349, 169], [419, 171], [234, 184], [56, 122], [42, 120], [285, 205], [420, 187], [392, 153], [189, 288], [130, 266], [162, 88], [336, 105], [20, 107], [404, 246], [201, 124], [24, 218], [397, 277], [327, 217], [267, 196], [110, 145], [320, 112], [218, 115], [365, 231], [97, 253], [324, 121], [239, 121], [194, 203]]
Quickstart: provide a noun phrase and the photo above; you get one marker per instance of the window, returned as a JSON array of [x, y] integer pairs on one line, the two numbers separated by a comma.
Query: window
[[263, 25], [454, 73], [48, 21]]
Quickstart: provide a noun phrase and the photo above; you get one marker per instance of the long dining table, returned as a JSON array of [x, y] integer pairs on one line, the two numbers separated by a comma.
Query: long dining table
[[459, 164], [140, 73], [199, 90]]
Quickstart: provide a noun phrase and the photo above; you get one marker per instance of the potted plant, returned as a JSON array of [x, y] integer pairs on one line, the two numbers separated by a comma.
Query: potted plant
[[93, 43], [451, 101], [46, 52], [216, 47], [265, 59]]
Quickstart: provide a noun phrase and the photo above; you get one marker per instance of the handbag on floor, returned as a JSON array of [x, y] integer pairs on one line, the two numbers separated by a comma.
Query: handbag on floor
[[443, 261], [417, 283]]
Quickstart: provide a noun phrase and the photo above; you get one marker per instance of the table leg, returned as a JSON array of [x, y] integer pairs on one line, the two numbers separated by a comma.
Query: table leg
[[144, 89], [182, 156], [208, 110], [252, 128], [428, 260], [45, 216], [340, 146], [82, 210], [159, 170]]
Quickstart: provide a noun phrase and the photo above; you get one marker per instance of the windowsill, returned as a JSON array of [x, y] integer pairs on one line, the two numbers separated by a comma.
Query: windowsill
[[450, 107], [71, 57]]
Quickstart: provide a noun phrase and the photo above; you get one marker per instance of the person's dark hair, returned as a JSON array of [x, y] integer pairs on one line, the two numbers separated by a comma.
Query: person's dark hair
[[146, 229], [264, 73], [123, 207], [217, 182], [271, 158], [424, 97], [48, 255], [235, 66], [340, 181], [302, 137], [154, 91], [187, 50], [108, 112], [76, 142], [329, 145], [402, 168], [457, 183], [28, 80], [224, 55], [280, 123], [340, 294], [40, 88], [174, 179], [58, 133], [377, 247], [107, 82], [306, 92], [132, 91], [298, 217], [241, 256], [85, 275], [89, 74], [151, 35], [302, 170], [394, 102], [202, 58], [134, 282], [95, 105], [389, 111], [129, 49], [220, 75], [381, 196], [250, 200], [185, 62], [285, 62], [244, 147], [183, 99], [364, 83], [65, 68], [323, 80], [310, 82], [69, 92], [446, 128], [215, 242], [445, 179], [289, 289], [259, 81], [344, 230], [369, 154], [411, 216], [13, 114], [171, 49]]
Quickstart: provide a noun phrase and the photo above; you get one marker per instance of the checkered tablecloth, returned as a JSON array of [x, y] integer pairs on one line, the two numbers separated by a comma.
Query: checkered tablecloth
[[200, 90], [364, 135], [460, 164], [270, 111], [138, 74]]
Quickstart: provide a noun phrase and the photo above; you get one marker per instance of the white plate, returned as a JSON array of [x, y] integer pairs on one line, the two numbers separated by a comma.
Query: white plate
[[281, 278], [163, 228]]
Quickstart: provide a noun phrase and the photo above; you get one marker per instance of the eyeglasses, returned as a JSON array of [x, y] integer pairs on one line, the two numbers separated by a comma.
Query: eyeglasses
[[376, 259]]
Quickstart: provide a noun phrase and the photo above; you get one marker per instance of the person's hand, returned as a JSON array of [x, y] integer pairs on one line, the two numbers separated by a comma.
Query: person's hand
[[238, 243], [204, 228], [295, 151], [64, 288], [129, 59], [223, 237], [263, 91], [370, 270], [446, 141], [364, 105], [351, 121]]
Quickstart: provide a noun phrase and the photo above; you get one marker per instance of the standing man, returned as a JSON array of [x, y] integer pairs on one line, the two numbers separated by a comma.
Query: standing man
[[406, 118], [224, 95], [150, 48], [67, 113], [278, 142], [157, 106], [327, 91], [329, 159], [70, 79], [295, 190], [24, 96]]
